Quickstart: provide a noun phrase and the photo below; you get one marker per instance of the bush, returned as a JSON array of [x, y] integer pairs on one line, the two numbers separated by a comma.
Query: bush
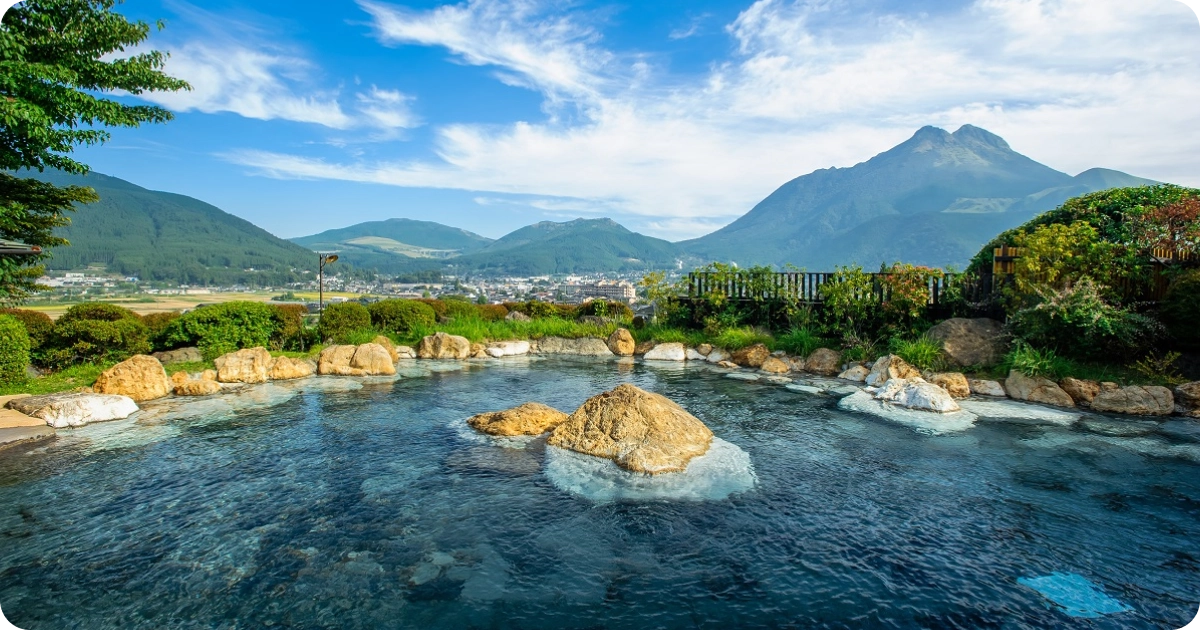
[[339, 320], [906, 297], [156, 327], [290, 333], [801, 341], [492, 312], [922, 352], [738, 338], [221, 328], [460, 310], [1079, 323], [438, 306], [1032, 361], [603, 308], [848, 301], [14, 350], [540, 310], [37, 325], [95, 333], [400, 316], [1180, 307]]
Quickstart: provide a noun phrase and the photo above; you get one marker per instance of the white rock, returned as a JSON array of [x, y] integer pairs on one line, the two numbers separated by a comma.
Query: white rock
[[986, 388], [856, 373], [1011, 410], [803, 389], [405, 352], [778, 380], [75, 410], [716, 356], [507, 348], [916, 393], [694, 355], [586, 346], [673, 351], [922, 421], [742, 376]]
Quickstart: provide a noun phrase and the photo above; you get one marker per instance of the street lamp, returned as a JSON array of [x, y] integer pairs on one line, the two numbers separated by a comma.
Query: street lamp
[[325, 258]]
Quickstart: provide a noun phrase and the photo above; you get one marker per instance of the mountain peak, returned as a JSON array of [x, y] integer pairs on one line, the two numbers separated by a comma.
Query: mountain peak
[[971, 133]]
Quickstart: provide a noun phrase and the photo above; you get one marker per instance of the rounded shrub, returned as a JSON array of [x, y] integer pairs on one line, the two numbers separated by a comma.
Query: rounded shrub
[[38, 325], [340, 320], [492, 312], [605, 308], [218, 329], [290, 333], [1179, 308], [401, 316], [438, 306], [95, 333], [14, 350], [460, 310], [540, 310], [157, 325]]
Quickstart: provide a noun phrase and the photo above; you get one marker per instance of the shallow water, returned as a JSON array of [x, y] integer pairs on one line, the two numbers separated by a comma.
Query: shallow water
[[371, 508]]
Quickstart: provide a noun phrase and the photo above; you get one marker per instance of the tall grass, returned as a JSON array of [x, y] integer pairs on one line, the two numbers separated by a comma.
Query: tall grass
[[922, 352], [745, 336], [803, 341]]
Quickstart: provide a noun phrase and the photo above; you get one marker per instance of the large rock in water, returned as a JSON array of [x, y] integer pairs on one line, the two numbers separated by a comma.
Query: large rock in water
[[1081, 391], [1188, 398], [586, 346], [139, 377], [916, 393], [528, 419], [369, 359], [74, 410], [775, 365], [672, 351], [387, 345], [953, 382], [443, 346], [286, 368], [1038, 390], [639, 430], [1136, 401], [824, 361], [970, 342], [498, 349], [196, 387], [250, 365], [890, 367], [751, 356], [621, 343]]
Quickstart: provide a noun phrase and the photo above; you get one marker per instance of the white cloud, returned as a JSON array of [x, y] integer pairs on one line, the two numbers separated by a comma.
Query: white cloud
[[1072, 83]]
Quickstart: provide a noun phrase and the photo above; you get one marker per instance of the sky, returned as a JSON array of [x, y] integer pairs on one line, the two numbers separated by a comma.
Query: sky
[[673, 118]]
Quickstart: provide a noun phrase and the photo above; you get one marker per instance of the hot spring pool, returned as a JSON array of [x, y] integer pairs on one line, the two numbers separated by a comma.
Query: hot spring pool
[[322, 504]]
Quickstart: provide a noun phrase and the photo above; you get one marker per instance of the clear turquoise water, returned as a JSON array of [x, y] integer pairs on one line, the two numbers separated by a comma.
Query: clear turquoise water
[[372, 509]]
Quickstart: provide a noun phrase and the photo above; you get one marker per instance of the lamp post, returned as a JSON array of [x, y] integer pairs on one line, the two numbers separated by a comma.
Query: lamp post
[[325, 259]]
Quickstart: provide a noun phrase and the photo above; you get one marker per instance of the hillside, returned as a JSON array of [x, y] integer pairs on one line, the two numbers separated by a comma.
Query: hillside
[[164, 236], [395, 245], [934, 200]]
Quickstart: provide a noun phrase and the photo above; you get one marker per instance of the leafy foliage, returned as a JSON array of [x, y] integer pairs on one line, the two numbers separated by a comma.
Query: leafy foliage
[[14, 350], [218, 329], [906, 296], [604, 308], [157, 325], [339, 320], [30, 210], [37, 324], [848, 302], [1181, 308], [922, 352], [802, 341], [1161, 369], [95, 333], [492, 312], [400, 316], [458, 309], [1035, 362], [1078, 322], [290, 332], [438, 306]]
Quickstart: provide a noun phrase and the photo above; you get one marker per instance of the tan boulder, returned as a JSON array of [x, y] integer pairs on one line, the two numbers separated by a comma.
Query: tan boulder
[[984, 387], [197, 388], [1150, 400], [856, 373], [139, 377], [387, 345], [751, 356], [621, 343], [1037, 390], [528, 419], [704, 348], [443, 346], [286, 368], [643, 348], [953, 382], [478, 351], [335, 360], [372, 359], [639, 430], [775, 365], [824, 361], [180, 377], [208, 375], [1188, 398], [1081, 391], [250, 365], [969, 342], [728, 364], [889, 367]]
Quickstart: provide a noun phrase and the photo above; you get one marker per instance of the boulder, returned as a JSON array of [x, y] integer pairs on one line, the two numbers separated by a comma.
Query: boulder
[[335, 360], [528, 419], [751, 356], [75, 409], [249, 365], [986, 388], [970, 342], [373, 360], [775, 365], [405, 352], [716, 355], [180, 377], [795, 364], [621, 343], [139, 377], [704, 348], [517, 316], [498, 349], [953, 382], [387, 345], [639, 430], [479, 351], [643, 348], [916, 393], [856, 373], [1036, 389], [824, 361], [180, 355], [889, 367], [1136, 400], [1187, 396], [672, 351], [586, 346], [197, 388], [694, 355], [443, 346], [209, 375], [285, 368], [1081, 391], [728, 364]]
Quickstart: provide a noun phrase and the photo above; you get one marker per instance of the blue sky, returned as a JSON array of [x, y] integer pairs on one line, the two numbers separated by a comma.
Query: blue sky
[[671, 117]]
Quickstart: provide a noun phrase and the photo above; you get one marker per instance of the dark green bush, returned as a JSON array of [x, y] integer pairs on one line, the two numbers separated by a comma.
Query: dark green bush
[[540, 310], [340, 320], [95, 333], [37, 325], [1078, 323], [1180, 309], [492, 312], [221, 328], [401, 316], [290, 333], [604, 308], [460, 310], [157, 325], [14, 350], [438, 306]]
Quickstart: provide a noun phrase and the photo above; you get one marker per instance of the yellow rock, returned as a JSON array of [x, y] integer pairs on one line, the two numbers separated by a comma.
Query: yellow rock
[[373, 359], [752, 356], [197, 388], [953, 382], [775, 366], [286, 368], [387, 345], [528, 419], [139, 377], [621, 343], [250, 365]]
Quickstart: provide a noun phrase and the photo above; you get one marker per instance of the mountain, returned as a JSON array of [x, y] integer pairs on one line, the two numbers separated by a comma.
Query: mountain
[[395, 244], [164, 236], [934, 199]]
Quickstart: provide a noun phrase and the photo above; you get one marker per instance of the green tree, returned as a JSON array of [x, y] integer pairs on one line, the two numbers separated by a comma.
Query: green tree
[[57, 60]]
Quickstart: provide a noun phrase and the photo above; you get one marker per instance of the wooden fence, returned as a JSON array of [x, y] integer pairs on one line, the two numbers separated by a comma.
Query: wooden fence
[[806, 287]]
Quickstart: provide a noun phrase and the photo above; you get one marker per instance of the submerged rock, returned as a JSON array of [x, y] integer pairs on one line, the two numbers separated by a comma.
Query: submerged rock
[[922, 421], [672, 351], [775, 366], [741, 376], [1036, 389], [1136, 400], [1010, 410], [639, 430], [856, 373], [498, 349], [916, 393], [139, 377], [530, 418], [443, 346], [74, 410]]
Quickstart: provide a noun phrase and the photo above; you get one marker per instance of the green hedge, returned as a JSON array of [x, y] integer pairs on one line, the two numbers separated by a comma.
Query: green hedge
[[37, 324], [95, 333], [458, 309], [157, 325], [342, 319], [14, 350], [401, 316], [604, 308], [221, 328]]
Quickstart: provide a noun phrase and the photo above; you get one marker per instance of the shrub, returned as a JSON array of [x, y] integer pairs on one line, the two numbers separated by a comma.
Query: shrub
[[221, 328], [339, 320], [922, 352], [290, 333], [1180, 307], [156, 327], [906, 297], [492, 312], [1032, 361], [738, 338], [849, 306], [858, 347], [1161, 370], [565, 311], [1078, 322], [461, 309], [400, 316], [801, 341], [438, 306], [14, 350], [37, 325], [95, 333], [540, 310], [603, 308]]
